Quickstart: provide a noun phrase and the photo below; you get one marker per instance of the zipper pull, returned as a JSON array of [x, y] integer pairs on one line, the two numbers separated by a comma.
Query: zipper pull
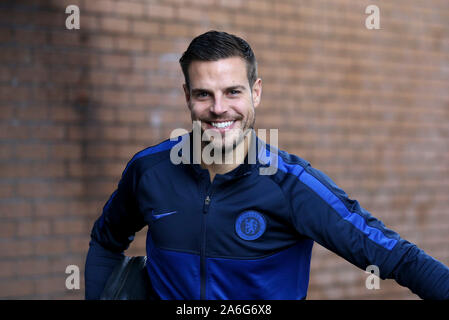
[[206, 204]]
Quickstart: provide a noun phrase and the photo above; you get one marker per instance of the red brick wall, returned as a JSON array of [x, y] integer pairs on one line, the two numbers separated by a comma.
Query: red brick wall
[[368, 107]]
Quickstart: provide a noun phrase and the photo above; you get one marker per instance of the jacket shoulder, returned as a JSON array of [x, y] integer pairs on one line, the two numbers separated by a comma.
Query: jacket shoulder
[[150, 156], [292, 159]]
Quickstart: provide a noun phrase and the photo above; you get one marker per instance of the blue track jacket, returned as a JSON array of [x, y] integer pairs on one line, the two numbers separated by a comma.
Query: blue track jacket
[[246, 235]]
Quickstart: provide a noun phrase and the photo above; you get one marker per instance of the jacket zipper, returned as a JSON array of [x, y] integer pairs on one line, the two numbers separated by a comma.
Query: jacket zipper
[[203, 249]]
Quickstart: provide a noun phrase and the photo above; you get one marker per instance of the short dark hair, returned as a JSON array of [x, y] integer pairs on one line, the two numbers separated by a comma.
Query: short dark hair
[[214, 45]]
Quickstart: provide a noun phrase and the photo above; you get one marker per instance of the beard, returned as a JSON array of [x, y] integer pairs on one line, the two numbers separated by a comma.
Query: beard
[[230, 139]]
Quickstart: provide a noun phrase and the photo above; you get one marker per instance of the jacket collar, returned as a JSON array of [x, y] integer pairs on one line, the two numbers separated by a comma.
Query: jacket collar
[[252, 161]]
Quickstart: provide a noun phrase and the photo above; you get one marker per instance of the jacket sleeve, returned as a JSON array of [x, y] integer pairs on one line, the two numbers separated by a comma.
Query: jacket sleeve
[[324, 212], [113, 232]]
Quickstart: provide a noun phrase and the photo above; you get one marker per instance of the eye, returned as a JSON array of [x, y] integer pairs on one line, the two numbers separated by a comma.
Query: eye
[[202, 94], [234, 92]]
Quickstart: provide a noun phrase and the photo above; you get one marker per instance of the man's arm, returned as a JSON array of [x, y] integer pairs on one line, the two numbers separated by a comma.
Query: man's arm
[[99, 265], [324, 212], [112, 233]]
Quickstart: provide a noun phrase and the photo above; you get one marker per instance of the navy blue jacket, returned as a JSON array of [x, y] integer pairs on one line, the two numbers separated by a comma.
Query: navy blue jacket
[[246, 235]]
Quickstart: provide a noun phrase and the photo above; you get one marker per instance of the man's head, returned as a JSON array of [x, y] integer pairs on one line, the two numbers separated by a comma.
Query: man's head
[[216, 45], [222, 89]]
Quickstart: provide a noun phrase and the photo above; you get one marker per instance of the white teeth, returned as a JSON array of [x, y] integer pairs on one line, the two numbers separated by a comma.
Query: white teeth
[[222, 124]]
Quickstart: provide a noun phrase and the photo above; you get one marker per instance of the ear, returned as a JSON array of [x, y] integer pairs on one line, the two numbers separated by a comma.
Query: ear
[[257, 92], [186, 94]]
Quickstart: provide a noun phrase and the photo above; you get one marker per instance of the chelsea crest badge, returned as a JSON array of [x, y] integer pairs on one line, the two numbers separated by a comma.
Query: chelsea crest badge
[[250, 225]]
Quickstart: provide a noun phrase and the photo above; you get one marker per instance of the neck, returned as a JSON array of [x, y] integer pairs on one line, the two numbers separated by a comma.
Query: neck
[[230, 159]]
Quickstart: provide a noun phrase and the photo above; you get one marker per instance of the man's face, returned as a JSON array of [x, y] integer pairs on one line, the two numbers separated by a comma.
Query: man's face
[[221, 98]]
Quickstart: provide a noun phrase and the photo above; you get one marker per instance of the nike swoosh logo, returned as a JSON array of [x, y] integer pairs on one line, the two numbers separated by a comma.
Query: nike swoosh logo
[[155, 217]]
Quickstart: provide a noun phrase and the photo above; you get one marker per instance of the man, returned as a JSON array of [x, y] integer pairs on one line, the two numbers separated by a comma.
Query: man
[[227, 229]]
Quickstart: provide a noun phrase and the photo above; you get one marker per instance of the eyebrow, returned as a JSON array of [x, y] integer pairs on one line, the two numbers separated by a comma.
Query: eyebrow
[[240, 87], [236, 87]]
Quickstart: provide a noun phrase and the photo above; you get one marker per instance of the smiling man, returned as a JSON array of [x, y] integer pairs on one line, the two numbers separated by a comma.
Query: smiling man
[[222, 91], [223, 230]]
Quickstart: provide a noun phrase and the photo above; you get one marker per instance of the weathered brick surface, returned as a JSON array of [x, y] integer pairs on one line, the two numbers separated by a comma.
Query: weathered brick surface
[[368, 107]]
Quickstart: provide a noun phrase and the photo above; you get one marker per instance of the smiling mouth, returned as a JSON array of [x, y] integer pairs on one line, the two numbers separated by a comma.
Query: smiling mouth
[[222, 124]]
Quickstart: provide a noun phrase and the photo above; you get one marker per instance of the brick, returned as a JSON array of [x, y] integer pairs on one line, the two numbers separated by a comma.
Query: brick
[[115, 25], [33, 267], [66, 76], [258, 6], [89, 207], [33, 189], [88, 22], [50, 246], [67, 189], [131, 80], [102, 78], [101, 189], [15, 209], [46, 132], [132, 116], [104, 114], [50, 208], [8, 269], [31, 37], [59, 264], [66, 38], [77, 170], [7, 229], [15, 55], [31, 151], [146, 28], [49, 19], [6, 191], [234, 4], [131, 44], [50, 284], [79, 245], [69, 227], [99, 6], [161, 46], [13, 132], [6, 74], [101, 151], [101, 41], [16, 248], [244, 21], [146, 134], [34, 170], [173, 29], [6, 112], [16, 288], [66, 151], [6, 152], [35, 113], [33, 228], [34, 74], [114, 61], [160, 11], [116, 133], [116, 97], [146, 99], [127, 8], [6, 35], [65, 114], [222, 18]]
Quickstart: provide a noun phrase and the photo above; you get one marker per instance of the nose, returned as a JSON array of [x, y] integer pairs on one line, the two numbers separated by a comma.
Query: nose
[[218, 107]]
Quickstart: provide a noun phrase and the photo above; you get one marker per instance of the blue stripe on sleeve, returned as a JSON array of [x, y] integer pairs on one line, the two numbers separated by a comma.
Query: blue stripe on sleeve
[[330, 198], [356, 220]]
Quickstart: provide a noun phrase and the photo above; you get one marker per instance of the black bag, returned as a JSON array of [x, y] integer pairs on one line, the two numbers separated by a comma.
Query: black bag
[[129, 281]]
